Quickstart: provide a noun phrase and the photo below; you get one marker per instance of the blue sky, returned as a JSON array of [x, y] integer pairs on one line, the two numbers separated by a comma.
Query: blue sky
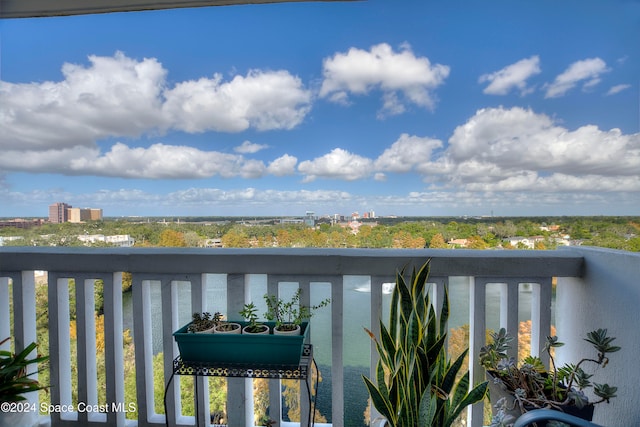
[[407, 107]]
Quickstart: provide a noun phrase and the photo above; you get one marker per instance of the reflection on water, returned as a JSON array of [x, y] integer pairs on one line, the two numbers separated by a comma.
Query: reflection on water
[[356, 317]]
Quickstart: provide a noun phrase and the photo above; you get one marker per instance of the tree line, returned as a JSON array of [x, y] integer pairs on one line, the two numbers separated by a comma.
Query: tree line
[[477, 233]]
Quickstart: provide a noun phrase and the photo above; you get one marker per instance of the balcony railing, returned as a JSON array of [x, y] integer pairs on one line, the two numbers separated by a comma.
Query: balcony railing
[[595, 288]]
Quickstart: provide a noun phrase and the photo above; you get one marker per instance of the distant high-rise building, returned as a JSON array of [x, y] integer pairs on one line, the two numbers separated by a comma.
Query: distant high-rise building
[[310, 219], [62, 212], [95, 214], [58, 213], [86, 214]]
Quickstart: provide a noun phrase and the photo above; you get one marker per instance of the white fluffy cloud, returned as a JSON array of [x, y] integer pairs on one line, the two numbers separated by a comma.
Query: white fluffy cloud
[[587, 71], [284, 165], [407, 153], [123, 97], [394, 73], [248, 147], [511, 77], [516, 149], [261, 100], [338, 164], [112, 96], [158, 161], [500, 150]]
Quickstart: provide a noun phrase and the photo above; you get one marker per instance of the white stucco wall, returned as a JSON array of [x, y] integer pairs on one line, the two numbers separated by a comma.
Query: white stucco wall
[[607, 296]]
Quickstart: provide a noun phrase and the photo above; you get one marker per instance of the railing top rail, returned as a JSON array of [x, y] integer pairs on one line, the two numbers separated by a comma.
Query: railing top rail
[[301, 261]]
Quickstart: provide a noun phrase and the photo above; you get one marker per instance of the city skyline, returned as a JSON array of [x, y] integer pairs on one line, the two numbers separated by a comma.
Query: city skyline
[[410, 109]]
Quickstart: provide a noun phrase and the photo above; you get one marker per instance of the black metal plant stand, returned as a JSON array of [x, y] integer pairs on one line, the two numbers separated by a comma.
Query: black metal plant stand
[[301, 372]]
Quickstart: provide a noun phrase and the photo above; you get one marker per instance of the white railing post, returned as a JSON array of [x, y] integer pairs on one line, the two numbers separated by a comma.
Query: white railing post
[[275, 385], [337, 350], [5, 319], [169, 296], [86, 345], [59, 346], [509, 298], [24, 314], [374, 326], [477, 304], [201, 384], [540, 317], [239, 390], [142, 338], [113, 348]]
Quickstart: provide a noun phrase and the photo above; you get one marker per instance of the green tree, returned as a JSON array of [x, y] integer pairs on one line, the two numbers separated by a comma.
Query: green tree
[[172, 238], [235, 239], [437, 242]]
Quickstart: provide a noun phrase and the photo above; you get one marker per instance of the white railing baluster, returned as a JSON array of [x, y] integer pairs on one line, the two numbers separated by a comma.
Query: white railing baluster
[[239, 390], [199, 304], [24, 314], [337, 349], [305, 299], [60, 340], [168, 292], [509, 297], [540, 317], [376, 283], [5, 319], [438, 285], [86, 345], [275, 385], [477, 311], [113, 348], [143, 349]]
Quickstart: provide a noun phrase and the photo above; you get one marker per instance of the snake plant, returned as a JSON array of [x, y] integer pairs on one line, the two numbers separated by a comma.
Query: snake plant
[[14, 379], [416, 383]]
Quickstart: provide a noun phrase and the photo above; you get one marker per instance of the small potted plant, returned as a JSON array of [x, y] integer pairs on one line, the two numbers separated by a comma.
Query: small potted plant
[[228, 328], [204, 322], [15, 383], [289, 315], [517, 388], [250, 314]]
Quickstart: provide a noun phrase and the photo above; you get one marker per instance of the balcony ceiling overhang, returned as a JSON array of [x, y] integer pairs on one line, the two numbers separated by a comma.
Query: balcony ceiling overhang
[[44, 8]]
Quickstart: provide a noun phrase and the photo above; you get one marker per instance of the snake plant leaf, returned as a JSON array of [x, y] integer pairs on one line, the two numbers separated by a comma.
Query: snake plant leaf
[[434, 351], [431, 328], [414, 332], [450, 376], [393, 312], [388, 344], [461, 390], [477, 394], [380, 403], [444, 312], [406, 302], [380, 376], [419, 281], [428, 409]]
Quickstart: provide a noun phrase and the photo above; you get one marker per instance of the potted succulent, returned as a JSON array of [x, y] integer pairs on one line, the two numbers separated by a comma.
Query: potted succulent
[[416, 383], [250, 314], [15, 383], [289, 315], [517, 388], [228, 328], [204, 322]]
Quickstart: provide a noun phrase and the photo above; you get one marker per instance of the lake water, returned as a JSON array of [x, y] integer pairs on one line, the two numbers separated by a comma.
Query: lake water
[[356, 317]]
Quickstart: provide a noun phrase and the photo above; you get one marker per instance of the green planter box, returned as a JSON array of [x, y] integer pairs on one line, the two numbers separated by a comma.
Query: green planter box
[[242, 348]]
